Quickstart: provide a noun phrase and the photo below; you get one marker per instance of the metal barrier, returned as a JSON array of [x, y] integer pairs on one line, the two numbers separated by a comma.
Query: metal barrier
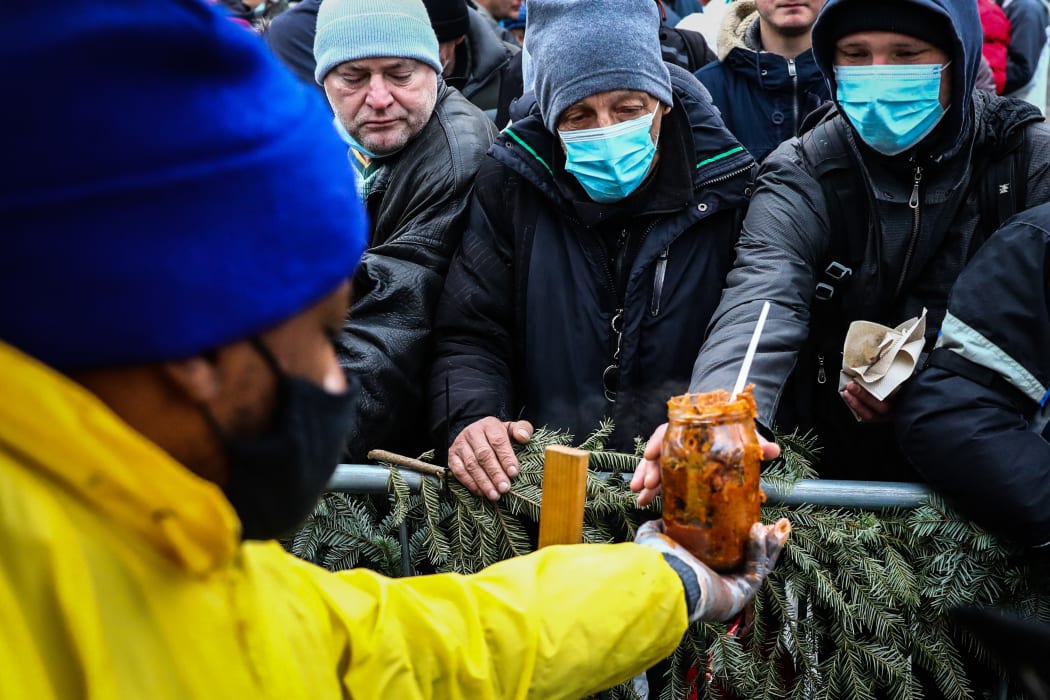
[[869, 495]]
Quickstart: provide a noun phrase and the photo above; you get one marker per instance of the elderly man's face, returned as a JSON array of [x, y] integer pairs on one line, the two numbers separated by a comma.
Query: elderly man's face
[[382, 102], [612, 107], [892, 48]]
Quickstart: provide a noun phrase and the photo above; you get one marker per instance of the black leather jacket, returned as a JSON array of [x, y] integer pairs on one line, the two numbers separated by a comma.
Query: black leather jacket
[[417, 206]]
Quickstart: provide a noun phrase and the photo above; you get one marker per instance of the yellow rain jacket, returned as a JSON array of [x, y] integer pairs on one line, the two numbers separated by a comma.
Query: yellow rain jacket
[[122, 575]]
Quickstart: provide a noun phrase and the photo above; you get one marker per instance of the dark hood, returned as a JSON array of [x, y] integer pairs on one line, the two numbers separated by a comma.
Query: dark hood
[[968, 40]]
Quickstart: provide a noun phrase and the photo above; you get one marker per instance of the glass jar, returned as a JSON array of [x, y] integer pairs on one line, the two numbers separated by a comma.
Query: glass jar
[[710, 464]]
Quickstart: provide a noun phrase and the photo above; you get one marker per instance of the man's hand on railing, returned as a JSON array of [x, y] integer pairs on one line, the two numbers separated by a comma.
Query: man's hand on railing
[[482, 455]]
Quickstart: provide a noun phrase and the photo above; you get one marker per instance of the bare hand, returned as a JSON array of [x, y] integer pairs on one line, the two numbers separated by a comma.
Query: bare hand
[[647, 474], [869, 408], [482, 457]]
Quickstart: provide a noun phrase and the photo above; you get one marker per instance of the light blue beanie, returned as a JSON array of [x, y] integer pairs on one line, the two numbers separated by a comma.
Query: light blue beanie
[[349, 30], [579, 49]]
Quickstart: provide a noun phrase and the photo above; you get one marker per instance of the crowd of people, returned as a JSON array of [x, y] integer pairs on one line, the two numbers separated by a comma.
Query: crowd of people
[[250, 239], [608, 240]]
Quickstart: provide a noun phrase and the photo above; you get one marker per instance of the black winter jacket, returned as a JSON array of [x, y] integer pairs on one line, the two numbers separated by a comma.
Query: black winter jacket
[[763, 97], [910, 262], [417, 207], [291, 38], [529, 319], [974, 423], [483, 66]]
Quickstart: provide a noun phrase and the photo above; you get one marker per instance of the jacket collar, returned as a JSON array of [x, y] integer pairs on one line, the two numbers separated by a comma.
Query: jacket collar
[[59, 430], [769, 71]]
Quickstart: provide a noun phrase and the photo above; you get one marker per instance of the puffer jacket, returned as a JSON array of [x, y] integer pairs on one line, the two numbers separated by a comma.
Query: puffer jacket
[[911, 261], [763, 97], [123, 575], [417, 207], [974, 423], [549, 290]]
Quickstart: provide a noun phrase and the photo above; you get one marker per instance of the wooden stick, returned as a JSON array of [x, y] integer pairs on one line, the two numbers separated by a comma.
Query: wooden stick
[[564, 493], [406, 462]]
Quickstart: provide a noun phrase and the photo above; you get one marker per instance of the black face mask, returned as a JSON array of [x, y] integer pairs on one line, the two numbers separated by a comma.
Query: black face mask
[[275, 480]]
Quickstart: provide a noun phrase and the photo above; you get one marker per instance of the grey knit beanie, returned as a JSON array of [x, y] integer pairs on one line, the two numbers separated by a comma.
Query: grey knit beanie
[[582, 47], [349, 30]]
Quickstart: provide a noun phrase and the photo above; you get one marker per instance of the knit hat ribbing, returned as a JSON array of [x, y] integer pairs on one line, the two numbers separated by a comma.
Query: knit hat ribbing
[[349, 30], [899, 16], [576, 54], [146, 207]]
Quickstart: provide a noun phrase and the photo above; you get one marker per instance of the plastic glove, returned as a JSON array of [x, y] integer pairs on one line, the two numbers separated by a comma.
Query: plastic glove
[[721, 596]]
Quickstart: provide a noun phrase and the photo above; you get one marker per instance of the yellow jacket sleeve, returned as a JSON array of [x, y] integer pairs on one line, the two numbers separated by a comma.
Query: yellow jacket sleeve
[[560, 623]]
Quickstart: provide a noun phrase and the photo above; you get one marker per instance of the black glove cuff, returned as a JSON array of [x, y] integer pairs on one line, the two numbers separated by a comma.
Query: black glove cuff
[[689, 582]]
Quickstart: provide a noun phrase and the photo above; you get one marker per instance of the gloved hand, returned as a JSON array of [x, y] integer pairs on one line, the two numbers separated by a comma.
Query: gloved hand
[[720, 597]]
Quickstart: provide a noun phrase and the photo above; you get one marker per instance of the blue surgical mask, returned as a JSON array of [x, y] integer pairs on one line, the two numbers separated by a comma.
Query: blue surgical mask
[[343, 133], [892, 107], [260, 9], [610, 161]]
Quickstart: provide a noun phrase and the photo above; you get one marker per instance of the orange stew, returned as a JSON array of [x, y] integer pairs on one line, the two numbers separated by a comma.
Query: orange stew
[[710, 462]]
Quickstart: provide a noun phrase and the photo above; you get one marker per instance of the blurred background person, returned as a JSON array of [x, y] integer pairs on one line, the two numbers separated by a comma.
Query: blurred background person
[[766, 81]]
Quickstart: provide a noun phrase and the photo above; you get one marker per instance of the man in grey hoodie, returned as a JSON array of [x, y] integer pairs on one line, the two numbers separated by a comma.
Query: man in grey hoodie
[[919, 159]]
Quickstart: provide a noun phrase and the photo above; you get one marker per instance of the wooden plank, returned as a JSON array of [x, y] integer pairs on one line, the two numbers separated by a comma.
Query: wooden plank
[[564, 493]]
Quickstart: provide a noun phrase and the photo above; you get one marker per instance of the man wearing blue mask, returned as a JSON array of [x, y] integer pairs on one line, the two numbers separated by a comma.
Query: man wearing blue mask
[[871, 216], [600, 233]]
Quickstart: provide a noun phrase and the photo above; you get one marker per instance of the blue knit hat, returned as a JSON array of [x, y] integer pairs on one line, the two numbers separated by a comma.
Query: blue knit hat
[[349, 30], [580, 48], [181, 192]]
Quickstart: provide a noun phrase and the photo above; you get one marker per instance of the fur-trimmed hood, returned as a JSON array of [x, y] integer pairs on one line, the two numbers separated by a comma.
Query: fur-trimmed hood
[[739, 28]]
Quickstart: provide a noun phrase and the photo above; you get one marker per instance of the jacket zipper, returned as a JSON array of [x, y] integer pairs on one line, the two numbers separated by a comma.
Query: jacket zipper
[[727, 176], [621, 250], [661, 262], [915, 220], [794, 87], [617, 323], [658, 282]]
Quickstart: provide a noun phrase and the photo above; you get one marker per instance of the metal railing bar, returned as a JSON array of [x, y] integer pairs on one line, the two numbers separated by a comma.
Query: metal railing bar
[[868, 495]]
